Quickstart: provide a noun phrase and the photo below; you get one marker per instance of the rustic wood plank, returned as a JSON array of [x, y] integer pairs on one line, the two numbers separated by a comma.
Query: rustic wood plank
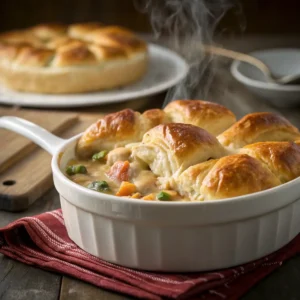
[[31, 177], [73, 289], [15, 146], [19, 281], [48, 202], [23, 282]]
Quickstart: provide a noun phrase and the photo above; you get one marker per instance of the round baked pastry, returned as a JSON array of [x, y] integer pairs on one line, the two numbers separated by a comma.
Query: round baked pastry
[[77, 58], [212, 117], [258, 127], [227, 177], [282, 158], [117, 130], [171, 148]]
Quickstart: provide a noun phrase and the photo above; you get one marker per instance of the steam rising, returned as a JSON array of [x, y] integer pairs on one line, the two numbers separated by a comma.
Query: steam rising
[[188, 24]]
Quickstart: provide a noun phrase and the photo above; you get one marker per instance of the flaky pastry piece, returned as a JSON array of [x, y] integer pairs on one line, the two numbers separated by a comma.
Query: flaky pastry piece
[[173, 147], [117, 130], [282, 158], [258, 127], [54, 58], [210, 116], [202, 113], [227, 177]]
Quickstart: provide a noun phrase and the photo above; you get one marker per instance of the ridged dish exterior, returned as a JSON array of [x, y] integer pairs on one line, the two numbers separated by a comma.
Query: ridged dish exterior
[[162, 247]]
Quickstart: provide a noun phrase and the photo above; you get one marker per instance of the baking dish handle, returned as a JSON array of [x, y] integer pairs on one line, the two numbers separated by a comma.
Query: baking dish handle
[[37, 134]]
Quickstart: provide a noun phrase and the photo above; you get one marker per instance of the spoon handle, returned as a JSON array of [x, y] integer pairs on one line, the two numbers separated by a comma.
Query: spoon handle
[[242, 57]]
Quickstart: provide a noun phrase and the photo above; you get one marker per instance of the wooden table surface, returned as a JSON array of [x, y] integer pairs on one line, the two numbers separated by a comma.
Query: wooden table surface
[[22, 282]]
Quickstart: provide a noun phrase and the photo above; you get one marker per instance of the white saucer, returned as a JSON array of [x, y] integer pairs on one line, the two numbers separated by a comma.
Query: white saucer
[[166, 69], [281, 61]]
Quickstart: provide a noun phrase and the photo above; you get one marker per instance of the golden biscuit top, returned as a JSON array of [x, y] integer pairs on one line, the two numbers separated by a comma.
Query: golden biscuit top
[[213, 117], [57, 45], [181, 138], [258, 127], [116, 125], [282, 158], [191, 108], [236, 175]]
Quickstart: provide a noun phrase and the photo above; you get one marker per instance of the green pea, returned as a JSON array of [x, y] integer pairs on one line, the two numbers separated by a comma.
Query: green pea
[[99, 186], [100, 155], [76, 169], [163, 196]]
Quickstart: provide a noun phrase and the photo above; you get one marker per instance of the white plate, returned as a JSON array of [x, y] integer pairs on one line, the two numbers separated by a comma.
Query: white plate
[[166, 69]]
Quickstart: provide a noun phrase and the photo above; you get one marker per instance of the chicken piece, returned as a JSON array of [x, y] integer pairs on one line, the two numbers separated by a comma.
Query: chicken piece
[[118, 154]]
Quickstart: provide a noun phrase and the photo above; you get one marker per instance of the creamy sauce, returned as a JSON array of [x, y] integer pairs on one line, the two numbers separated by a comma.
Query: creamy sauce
[[119, 164], [95, 172]]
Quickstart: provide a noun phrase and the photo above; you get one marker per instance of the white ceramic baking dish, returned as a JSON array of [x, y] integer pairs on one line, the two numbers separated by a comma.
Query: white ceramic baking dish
[[168, 236]]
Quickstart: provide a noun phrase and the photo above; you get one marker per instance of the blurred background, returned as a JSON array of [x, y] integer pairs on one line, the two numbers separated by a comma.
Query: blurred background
[[246, 17], [241, 25]]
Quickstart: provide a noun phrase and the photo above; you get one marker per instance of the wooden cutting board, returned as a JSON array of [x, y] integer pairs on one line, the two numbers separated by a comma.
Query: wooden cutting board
[[25, 172]]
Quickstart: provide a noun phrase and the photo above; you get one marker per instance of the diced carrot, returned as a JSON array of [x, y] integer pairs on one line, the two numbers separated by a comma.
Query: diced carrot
[[119, 171], [126, 189], [149, 197]]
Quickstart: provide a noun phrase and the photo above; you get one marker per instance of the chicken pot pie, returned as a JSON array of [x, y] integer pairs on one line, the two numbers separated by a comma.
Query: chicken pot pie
[[149, 156], [78, 58]]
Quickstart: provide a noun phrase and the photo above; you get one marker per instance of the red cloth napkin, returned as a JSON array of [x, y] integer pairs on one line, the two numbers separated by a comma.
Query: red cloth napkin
[[43, 241]]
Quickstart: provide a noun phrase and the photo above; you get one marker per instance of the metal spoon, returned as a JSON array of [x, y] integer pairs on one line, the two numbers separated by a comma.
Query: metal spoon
[[287, 79]]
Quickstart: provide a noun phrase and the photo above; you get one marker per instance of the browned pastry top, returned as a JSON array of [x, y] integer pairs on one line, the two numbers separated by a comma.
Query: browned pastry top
[[282, 158], [258, 127], [210, 116], [56, 45], [181, 138], [237, 175], [118, 124]]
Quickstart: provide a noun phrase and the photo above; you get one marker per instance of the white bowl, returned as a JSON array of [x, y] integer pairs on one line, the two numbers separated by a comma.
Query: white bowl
[[281, 62], [168, 236]]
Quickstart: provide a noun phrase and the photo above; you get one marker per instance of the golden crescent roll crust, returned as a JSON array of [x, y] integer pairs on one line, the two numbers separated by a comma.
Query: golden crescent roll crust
[[181, 139], [212, 117], [46, 32], [258, 127], [189, 182], [117, 129], [171, 148], [156, 117], [282, 158], [237, 175], [33, 57], [80, 30], [55, 58]]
